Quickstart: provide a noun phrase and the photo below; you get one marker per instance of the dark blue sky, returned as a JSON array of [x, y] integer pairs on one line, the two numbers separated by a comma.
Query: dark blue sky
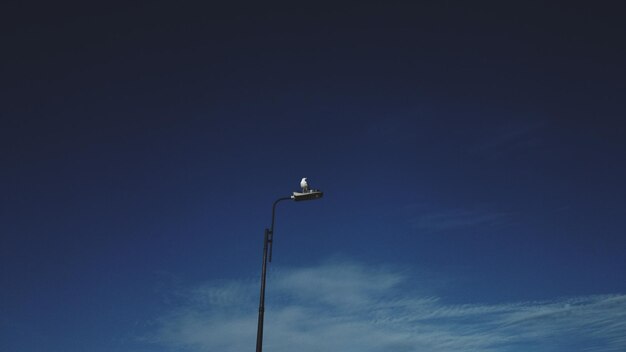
[[472, 156]]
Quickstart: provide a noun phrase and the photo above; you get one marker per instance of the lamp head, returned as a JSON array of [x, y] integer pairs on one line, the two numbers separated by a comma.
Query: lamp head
[[309, 195]]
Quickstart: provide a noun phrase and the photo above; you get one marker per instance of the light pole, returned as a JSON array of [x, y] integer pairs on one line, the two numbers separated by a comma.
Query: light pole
[[306, 194]]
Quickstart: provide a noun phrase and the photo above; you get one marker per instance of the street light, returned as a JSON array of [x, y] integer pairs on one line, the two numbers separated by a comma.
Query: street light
[[306, 194]]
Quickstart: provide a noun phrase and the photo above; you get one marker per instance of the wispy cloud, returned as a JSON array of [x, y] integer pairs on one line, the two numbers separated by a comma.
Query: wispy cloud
[[346, 306], [456, 219], [437, 219], [508, 139]]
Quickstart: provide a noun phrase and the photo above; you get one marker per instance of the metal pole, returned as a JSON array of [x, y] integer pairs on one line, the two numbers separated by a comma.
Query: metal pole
[[259, 332], [267, 244]]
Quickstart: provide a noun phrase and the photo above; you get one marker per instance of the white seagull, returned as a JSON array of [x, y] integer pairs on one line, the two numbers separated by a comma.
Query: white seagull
[[304, 185]]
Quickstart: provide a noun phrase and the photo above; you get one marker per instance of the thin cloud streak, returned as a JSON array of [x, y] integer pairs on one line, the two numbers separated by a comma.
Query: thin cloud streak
[[510, 138], [346, 306], [424, 217], [456, 219]]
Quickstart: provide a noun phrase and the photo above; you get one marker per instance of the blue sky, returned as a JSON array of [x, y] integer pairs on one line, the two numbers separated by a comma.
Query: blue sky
[[472, 159]]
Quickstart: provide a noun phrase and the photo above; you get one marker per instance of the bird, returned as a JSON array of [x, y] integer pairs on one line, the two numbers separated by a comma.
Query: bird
[[304, 185]]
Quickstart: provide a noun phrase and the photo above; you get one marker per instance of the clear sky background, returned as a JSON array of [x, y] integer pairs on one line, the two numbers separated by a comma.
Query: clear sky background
[[472, 155]]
